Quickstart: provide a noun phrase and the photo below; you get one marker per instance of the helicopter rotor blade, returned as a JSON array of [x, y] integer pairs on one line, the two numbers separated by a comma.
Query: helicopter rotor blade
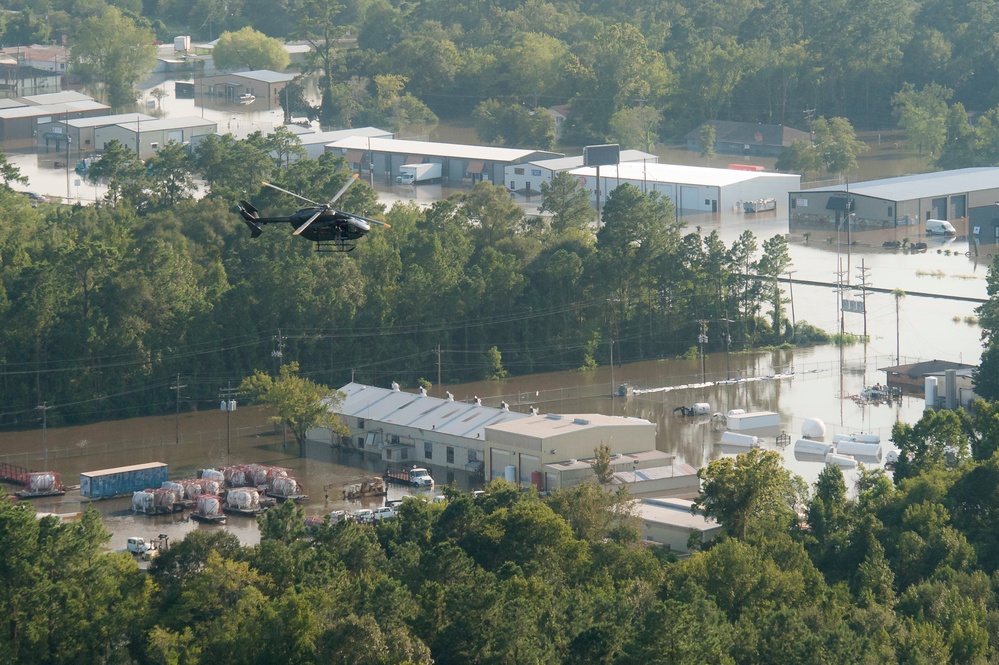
[[297, 196], [308, 221], [343, 189], [369, 221]]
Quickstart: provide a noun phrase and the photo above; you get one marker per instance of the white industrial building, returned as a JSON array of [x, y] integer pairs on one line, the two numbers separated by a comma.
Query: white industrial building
[[527, 178], [146, 137], [315, 142], [691, 188], [81, 131], [466, 437], [671, 522], [458, 162]]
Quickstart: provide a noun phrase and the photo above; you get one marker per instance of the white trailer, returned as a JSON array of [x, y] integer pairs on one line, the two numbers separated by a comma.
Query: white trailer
[[416, 174]]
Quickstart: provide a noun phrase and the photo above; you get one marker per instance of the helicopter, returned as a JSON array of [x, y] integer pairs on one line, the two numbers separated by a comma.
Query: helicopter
[[332, 230]]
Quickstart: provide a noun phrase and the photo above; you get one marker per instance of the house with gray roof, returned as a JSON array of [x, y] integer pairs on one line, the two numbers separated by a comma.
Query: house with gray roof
[[749, 139]]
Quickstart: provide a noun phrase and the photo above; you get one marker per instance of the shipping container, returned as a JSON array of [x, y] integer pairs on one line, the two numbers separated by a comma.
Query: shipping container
[[122, 480]]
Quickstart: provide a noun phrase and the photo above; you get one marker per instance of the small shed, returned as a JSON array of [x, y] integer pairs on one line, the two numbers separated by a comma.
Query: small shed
[[264, 85]]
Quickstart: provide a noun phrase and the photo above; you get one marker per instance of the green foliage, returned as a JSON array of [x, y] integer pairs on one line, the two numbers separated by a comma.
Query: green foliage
[[249, 49], [514, 125], [115, 48]]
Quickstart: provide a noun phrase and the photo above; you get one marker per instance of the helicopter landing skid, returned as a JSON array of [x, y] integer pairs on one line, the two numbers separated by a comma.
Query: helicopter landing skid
[[334, 246]]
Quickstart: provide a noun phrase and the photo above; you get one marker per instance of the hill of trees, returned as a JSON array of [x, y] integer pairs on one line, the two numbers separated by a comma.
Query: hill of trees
[[104, 305]]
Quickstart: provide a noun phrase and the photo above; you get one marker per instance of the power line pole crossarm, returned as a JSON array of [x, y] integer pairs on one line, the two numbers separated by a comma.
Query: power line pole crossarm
[[176, 388]]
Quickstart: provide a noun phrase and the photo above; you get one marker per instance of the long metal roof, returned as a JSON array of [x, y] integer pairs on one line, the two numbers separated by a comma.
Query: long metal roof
[[312, 138], [164, 124], [576, 161], [454, 150], [51, 109], [103, 120], [679, 174], [264, 75], [413, 410], [921, 185]]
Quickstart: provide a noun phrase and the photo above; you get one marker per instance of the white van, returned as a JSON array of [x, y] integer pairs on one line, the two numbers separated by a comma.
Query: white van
[[939, 227]]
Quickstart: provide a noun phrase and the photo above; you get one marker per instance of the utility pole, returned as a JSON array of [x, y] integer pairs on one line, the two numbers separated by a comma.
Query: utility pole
[[863, 290], [839, 296], [728, 346], [279, 354], [438, 367], [44, 407], [228, 405], [790, 288], [176, 387], [702, 339]]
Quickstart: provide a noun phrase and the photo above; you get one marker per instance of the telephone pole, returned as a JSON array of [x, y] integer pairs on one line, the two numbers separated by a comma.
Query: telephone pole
[[702, 339], [228, 405], [863, 290], [176, 387], [44, 407], [279, 354]]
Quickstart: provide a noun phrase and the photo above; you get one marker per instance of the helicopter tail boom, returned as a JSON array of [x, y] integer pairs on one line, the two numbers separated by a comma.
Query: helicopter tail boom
[[250, 215]]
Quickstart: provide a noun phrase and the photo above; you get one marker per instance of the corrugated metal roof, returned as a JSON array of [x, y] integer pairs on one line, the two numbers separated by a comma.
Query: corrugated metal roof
[[674, 512], [123, 469], [576, 161], [413, 410], [921, 185], [559, 424], [679, 174], [311, 138], [455, 150], [265, 75], [104, 120], [57, 98], [51, 109], [162, 124]]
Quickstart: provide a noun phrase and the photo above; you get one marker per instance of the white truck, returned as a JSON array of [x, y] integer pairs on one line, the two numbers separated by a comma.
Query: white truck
[[416, 174], [939, 227], [414, 477], [137, 545]]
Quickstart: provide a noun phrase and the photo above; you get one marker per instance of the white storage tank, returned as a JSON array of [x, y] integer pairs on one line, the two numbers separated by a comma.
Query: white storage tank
[[741, 440], [701, 409], [859, 448], [931, 392], [510, 473], [843, 461], [809, 447], [813, 428]]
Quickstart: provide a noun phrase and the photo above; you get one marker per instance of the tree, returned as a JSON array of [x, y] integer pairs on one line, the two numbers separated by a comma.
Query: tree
[[169, 172], [569, 204], [300, 403], [116, 49], [986, 375], [750, 495], [801, 157], [494, 364], [601, 464], [636, 127], [837, 144], [923, 115], [10, 173], [319, 26], [513, 124], [708, 135], [122, 170], [939, 439], [248, 49], [774, 263]]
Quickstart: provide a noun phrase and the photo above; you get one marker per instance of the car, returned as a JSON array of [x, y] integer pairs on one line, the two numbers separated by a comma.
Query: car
[[384, 513], [362, 515]]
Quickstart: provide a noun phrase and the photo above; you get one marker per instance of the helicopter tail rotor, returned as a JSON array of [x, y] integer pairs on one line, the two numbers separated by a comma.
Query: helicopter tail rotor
[[250, 215]]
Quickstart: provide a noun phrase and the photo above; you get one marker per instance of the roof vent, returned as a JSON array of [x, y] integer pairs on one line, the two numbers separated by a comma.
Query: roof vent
[[534, 411], [570, 462], [449, 396], [554, 416], [395, 387], [580, 421], [476, 401], [504, 406], [617, 456], [423, 391]]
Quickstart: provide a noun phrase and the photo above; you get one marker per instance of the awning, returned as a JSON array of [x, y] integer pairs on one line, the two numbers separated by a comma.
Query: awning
[[476, 166], [355, 156], [414, 159]]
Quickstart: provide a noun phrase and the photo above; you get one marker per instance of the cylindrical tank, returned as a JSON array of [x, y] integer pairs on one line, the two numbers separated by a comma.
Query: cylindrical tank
[[243, 499], [43, 481], [701, 408], [840, 438], [742, 440], [209, 504], [844, 461], [173, 485], [859, 448], [214, 474], [809, 447], [142, 502], [931, 392], [736, 412], [538, 480], [950, 383], [813, 428], [510, 473]]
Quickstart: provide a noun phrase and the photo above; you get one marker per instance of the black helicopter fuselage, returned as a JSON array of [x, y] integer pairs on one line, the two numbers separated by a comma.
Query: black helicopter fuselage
[[330, 225]]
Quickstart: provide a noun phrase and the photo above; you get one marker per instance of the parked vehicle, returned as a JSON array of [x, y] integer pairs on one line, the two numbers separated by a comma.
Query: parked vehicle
[[940, 227], [415, 174], [137, 545], [372, 487], [414, 477], [383, 513], [363, 515]]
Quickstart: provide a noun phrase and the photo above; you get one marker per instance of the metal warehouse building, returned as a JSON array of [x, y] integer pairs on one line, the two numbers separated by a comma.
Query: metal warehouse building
[[691, 188], [527, 178], [458, 162], [880, 210], [145, 138]]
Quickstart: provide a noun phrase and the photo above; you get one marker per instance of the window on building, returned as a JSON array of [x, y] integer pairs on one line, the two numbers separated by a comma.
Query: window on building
[[450, 455], [360, 423], [450, 477], [472, 455], [428, 450], [404, 454], [360, 442], [395, 439], [154, 145], [518, 171]]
